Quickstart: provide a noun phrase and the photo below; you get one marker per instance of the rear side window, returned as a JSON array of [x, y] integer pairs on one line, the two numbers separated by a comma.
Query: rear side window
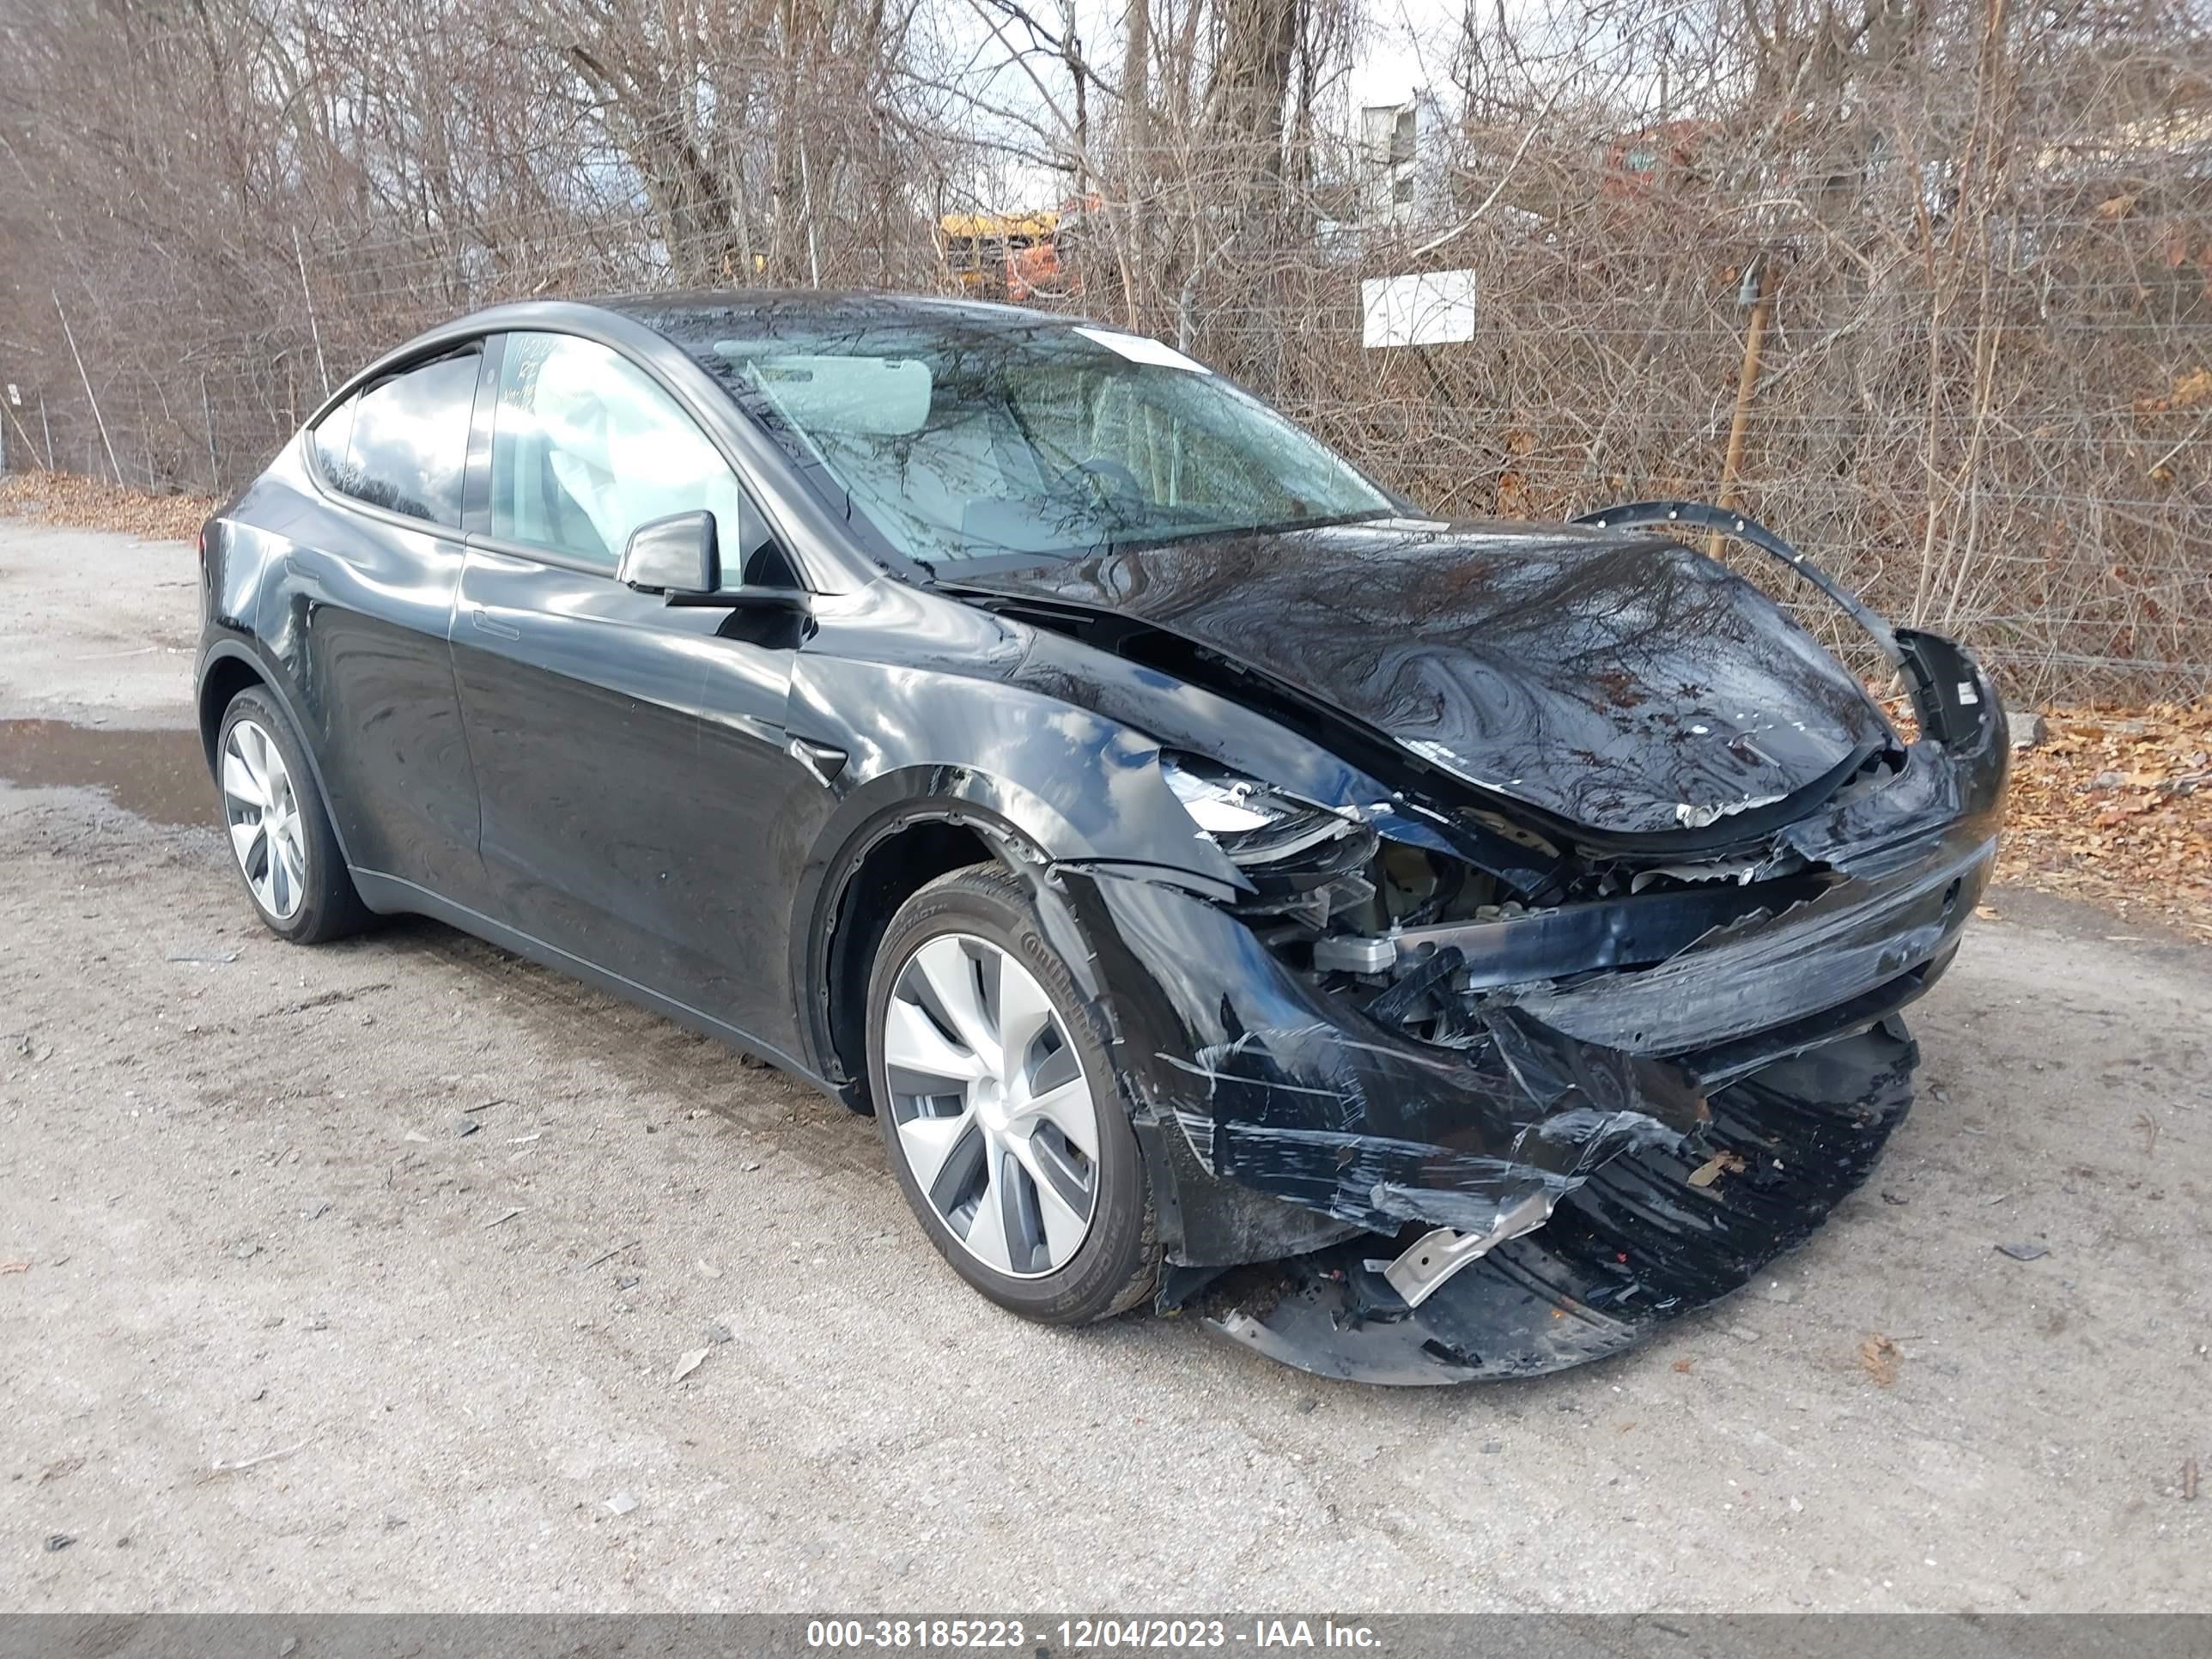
[[401, 443]]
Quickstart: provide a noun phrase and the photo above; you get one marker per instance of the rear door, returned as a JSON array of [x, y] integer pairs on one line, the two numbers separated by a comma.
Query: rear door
[[630, 756], [360, 614]]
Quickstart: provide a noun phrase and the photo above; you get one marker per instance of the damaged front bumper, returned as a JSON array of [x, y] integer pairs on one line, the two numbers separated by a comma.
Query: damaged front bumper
[[1649, 1235], [1603, 1150]]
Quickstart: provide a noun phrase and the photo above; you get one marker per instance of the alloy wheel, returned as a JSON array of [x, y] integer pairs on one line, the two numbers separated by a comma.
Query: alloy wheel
[[262, 811], [993, 1112]]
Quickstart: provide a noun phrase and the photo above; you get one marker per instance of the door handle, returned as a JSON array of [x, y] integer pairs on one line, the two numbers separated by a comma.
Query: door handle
[[482, 618]]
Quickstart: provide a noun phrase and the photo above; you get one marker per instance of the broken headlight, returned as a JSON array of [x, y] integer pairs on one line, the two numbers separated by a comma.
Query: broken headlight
[[1256, 825], [1305, 862]]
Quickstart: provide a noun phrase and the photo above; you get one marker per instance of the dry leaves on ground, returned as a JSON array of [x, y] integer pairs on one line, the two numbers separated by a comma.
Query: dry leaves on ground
[[71, 498], [2116, 806], [1880, 1356]]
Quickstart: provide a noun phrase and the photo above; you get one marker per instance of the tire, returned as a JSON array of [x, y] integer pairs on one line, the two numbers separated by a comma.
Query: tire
[[281, 842], [998, 1182]]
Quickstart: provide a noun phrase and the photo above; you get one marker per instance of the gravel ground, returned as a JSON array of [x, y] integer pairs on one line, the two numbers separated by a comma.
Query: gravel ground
[[288, 1338]]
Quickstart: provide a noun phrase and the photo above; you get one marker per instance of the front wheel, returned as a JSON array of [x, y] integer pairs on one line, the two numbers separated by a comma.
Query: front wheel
[[999, 1108]]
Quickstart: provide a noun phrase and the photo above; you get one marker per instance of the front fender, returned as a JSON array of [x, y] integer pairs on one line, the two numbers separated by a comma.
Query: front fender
[[1077, 785], [1038, 780]]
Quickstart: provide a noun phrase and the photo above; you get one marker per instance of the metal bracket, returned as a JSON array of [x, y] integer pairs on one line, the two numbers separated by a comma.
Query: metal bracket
[[1436, 1256]]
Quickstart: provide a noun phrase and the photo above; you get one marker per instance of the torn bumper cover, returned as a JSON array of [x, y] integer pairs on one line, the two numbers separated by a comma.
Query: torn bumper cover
[[1561, 1132], [1636, 1243]]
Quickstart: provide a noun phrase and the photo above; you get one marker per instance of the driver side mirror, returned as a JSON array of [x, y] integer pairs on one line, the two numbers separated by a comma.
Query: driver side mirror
[[679, 556]]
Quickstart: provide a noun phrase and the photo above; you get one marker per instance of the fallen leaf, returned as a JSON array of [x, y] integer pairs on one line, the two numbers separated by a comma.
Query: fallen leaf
[[17, 1264], [2023, 1252], [1709, 1171], [1880, 1356], [1683, 1366], [688, 1363]]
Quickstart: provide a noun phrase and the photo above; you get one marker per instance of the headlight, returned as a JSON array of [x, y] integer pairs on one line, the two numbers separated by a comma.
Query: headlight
[[1255, 824], [1222, 803]]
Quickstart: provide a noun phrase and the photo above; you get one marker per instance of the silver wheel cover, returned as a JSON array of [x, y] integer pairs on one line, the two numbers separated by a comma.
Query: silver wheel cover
[[993, 1114], [263, 811]]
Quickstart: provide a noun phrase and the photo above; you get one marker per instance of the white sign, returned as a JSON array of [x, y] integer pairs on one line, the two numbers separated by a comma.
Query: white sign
[[1434, 308]]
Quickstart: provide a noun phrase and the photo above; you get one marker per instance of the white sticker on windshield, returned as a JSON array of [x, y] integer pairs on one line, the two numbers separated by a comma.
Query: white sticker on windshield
[[1138, 349]]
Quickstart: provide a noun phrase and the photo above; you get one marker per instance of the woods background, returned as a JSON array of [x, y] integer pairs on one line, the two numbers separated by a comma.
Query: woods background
[[1975, 239]]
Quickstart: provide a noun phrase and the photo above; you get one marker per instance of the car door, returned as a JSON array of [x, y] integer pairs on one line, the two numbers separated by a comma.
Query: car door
[[360, 614], [631, 755]]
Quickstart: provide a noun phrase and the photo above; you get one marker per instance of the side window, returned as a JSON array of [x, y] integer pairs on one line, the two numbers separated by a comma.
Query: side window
[[333, 436], [401, 443], [585, 446]]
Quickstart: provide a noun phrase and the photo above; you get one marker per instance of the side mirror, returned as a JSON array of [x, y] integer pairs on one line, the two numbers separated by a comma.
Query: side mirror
[[679, 556]]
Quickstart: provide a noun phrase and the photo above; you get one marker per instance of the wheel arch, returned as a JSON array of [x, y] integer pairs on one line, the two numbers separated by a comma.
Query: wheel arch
[[890, 859], [225, 677], [229, 668]]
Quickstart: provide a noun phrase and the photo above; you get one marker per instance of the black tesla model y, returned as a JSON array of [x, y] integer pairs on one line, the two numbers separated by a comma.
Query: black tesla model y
[[1425, 951]]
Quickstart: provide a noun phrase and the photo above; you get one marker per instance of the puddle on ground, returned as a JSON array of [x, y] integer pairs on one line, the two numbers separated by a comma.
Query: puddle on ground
[[162, 775]]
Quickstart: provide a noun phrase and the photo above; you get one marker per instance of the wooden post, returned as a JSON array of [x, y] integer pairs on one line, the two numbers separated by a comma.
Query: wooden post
[[1754, 337], [315, 327], [207, 414], [98, 420], [29, 448]]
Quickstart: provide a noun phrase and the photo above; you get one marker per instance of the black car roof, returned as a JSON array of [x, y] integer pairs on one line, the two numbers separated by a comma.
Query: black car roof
[[810, 308]]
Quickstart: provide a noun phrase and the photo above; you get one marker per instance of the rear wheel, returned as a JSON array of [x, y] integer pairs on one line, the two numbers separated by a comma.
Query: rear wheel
[[999, 1108], [281, 837]]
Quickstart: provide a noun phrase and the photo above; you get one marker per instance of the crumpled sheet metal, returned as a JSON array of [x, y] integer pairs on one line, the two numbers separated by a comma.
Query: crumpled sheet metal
[[1282, 1092], [1914, 856], [1766, 971], [1557, 1095], [1634, 1245]]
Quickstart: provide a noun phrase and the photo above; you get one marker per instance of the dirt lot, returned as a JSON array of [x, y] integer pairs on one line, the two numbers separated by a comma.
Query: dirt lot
[[288, 1338]]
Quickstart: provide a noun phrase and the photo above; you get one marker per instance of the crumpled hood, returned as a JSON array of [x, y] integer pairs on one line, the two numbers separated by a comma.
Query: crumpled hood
[[1620, 682]]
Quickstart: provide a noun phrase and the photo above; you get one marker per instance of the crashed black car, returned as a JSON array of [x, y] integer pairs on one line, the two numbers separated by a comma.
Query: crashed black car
[[1194, 856]]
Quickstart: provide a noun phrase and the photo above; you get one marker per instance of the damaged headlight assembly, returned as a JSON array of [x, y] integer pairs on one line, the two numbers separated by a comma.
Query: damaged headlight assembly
[[1305, 862], [1255, 824]]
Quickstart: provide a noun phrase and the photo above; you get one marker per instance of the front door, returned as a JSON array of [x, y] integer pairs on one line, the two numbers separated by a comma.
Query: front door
[[620, 823]]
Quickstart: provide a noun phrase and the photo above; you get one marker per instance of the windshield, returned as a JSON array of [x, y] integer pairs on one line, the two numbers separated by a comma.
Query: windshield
[[964, 442]]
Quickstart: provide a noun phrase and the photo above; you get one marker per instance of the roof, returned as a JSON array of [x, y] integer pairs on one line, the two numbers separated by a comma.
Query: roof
[[736, 309]]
